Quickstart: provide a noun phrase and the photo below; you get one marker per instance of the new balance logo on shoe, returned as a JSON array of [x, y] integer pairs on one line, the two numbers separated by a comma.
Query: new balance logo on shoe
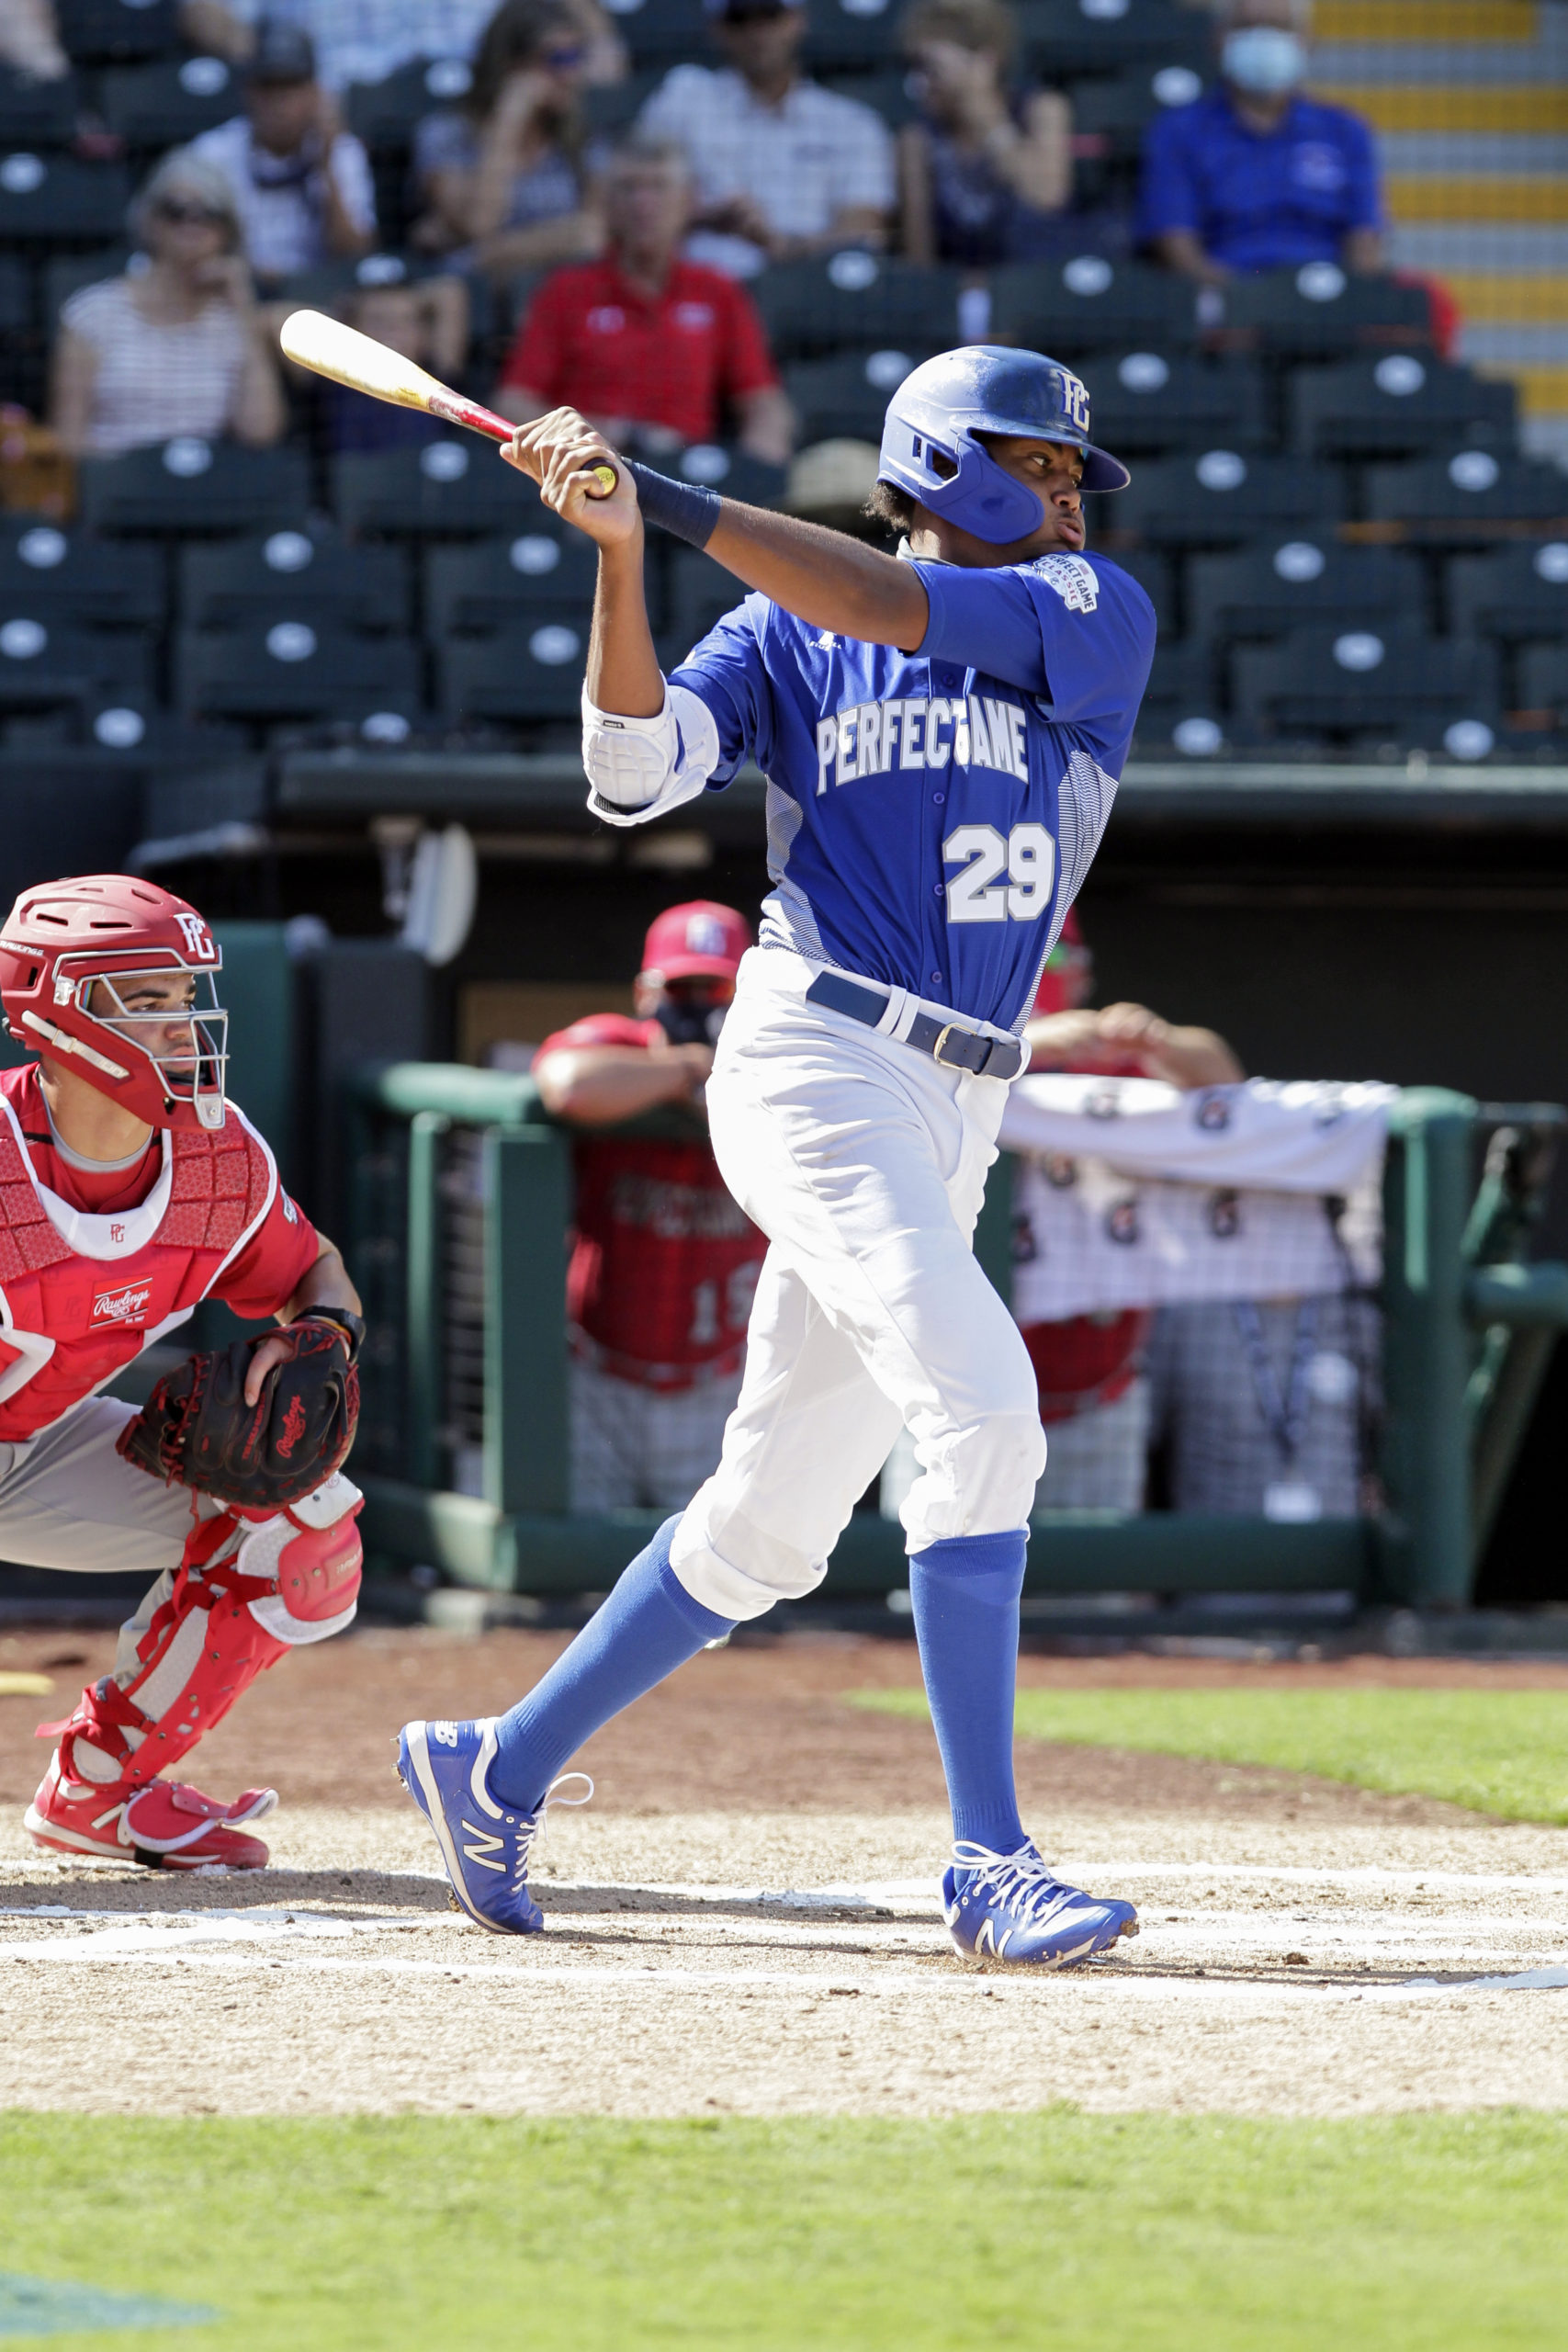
[[487, 1845]]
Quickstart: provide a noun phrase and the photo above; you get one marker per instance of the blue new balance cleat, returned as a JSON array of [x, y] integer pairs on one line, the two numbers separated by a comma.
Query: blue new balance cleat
[[484, 1846], [1008, 1907]]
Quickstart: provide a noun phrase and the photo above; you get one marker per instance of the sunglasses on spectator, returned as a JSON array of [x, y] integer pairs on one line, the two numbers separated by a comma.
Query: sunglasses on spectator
[[561, 61], [169, 207]]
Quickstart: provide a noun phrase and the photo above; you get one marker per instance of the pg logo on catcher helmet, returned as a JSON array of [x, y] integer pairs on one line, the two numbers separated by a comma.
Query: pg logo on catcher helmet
[[200, 944]]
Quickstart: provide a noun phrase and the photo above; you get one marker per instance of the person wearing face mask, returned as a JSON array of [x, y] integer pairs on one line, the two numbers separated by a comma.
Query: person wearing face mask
[[1254, 175], [663, 1262]]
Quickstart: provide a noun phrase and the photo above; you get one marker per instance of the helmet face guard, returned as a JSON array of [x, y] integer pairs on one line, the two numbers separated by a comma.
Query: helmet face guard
[[931, 448], [75, 1000]]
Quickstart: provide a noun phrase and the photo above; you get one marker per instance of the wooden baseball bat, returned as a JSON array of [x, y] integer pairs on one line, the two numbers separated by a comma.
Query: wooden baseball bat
[[329, 348]]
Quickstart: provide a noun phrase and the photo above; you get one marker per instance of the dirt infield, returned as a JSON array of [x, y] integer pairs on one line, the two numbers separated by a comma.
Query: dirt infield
[[745, 1919]]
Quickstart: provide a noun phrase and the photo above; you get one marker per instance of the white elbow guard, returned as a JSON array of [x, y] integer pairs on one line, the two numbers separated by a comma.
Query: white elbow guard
[[639, 767]]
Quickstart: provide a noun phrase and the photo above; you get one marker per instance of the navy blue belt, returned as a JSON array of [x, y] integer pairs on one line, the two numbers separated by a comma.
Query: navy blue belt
[[944, 1041]]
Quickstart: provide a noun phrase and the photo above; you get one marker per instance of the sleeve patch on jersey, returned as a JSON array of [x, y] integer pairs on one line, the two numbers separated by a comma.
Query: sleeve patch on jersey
[[1073, 579]]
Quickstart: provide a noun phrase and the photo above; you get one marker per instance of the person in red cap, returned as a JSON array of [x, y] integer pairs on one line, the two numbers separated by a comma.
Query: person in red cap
[[1093, 1400], [663, 1262], [131, 1190]]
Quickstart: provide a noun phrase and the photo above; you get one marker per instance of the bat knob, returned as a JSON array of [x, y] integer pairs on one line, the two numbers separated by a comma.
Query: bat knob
[[606, 475]]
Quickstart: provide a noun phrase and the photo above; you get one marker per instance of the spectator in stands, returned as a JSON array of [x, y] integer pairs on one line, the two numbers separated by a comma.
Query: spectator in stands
[[1253, 174], [428, 324], [365, 40], [180, 348], [657, 351], [506, 173], [783, 168], [301, 183], [29, 40], [984, 177], [663, 1262]]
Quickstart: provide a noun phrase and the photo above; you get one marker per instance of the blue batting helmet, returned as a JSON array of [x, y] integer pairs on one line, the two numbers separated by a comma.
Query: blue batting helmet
[[930, 446]]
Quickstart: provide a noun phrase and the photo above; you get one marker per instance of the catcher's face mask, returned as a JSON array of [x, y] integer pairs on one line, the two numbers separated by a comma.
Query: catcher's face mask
[[153, 1040]]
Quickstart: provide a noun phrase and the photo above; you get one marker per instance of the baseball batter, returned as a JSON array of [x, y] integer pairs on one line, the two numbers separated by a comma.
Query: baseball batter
[[129, 1190], [941, 732]]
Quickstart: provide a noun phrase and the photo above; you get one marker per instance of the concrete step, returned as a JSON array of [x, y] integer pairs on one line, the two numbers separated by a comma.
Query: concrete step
[[1522, 110], [1500, 249], [1470, 154]]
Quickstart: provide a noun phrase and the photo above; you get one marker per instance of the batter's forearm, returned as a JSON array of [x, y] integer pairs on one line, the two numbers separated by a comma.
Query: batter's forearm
[[623, 673], [822, 577]]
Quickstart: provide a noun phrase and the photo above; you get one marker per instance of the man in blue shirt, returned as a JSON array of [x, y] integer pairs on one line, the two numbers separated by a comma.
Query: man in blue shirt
[[1253, 176], [942, 736]]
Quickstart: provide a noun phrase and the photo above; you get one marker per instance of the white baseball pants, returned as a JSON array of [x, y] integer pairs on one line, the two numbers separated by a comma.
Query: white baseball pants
[[864, 1163], [636, 1448]]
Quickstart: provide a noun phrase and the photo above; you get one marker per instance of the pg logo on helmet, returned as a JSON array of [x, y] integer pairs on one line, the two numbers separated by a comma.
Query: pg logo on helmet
[[1073, 397], [197, 938]]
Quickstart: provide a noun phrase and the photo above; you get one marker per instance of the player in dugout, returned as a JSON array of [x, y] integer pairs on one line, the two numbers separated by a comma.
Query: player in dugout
[[664, 1263], [131, 1190]]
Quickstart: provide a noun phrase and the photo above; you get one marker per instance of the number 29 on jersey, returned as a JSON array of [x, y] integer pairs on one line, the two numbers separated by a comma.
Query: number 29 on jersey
[[1026, 855]]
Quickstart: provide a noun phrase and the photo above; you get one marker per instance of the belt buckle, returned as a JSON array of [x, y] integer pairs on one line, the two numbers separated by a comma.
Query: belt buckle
[[951, 1029]]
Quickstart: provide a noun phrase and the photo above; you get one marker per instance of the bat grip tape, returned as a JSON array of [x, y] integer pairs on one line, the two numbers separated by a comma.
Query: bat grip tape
[[681, 508]]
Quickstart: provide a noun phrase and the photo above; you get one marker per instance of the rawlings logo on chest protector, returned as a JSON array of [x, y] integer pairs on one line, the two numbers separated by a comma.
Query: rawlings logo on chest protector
[[126, 1305]]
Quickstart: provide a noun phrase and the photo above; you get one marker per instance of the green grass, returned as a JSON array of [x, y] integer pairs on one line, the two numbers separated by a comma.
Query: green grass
[[804, 2236], [1500, 1751]]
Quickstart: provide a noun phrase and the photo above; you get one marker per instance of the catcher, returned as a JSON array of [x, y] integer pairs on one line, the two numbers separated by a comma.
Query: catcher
[[129, 1190]]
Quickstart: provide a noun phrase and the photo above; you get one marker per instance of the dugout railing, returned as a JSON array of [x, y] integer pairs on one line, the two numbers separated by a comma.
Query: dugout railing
[[459, 1200]]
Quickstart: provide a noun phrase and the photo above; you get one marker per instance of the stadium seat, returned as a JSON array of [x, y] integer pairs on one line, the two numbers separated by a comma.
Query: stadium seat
[[50, 199], [106, 821], [1461, 743], [383, 114], [295, 669], [850, 35], [60, 576], [1517, 594], [36, 114], [16, 295], [454, 488], [1342, 679], [751, 479], [113, 32], [153, 107], [610, 108], [1221, 498], [890, 91], [856, 301], [46, 666], [1090, 303], [662, 33], [1110, 118], [1473, 495], [1148, 403], [699, 592], [1153, 574], [1069, 37], [1284, 583], [530, 671], [65, 273], [539, 572], [1403, 405], [846, 396], [311, 576], [196, 489], [1319, 312], [1543, 681]]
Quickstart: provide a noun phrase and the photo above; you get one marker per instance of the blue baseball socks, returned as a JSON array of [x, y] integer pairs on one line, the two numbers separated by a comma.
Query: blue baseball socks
[[648, 1626], [965, 1593]]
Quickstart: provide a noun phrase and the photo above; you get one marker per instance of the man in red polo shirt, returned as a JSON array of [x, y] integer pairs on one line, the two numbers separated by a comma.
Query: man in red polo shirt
[[657, 352], [663, 1262]]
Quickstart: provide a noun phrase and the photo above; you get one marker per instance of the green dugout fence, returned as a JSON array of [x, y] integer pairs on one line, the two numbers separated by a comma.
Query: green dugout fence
[[459, 1198]]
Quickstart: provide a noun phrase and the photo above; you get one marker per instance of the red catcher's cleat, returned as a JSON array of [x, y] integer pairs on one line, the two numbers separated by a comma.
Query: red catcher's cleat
[[166, 1824]]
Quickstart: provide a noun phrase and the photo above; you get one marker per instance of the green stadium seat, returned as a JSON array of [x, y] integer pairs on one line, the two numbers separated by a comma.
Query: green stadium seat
[[1320, 311], [547, 570], [1516, 595], [36, 114], [1342, 679], [1287, 583], [65, 273], [455, 488], [52, 199], [1153, 575], [57, 575], [1090, 302], [1403, 404], [106, 820], [846, 34], [1110, 118], [532, 669], [848, 395], [856, 301], [1223, 497], [1073, 37], [295, 670], [193, 489], [47, 666], [153, 107], [313, 575], [113, 32], [665, 32], [1469, 496], [1151, 403], [698, 593], [1543, 681]]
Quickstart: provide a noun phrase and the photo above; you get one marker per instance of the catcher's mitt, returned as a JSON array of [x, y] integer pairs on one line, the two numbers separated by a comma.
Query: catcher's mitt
[[195, 1429]]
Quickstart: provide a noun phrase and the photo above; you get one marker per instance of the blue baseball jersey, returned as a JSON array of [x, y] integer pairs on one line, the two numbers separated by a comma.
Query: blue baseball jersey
[[932, 815]]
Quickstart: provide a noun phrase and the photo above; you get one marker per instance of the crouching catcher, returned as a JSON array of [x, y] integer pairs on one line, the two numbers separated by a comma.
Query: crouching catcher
[[131, 1190]]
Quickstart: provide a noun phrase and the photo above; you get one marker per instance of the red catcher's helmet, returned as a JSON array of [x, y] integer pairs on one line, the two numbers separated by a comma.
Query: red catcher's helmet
[[103, 931], [700, 940]]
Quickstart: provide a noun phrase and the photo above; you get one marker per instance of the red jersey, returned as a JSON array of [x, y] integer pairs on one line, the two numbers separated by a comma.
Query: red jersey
[[1089, 1360], [95, 1264], [590, 341], [663, 1262]]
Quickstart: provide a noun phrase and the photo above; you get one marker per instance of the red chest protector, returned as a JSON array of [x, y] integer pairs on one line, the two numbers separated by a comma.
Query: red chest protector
[[81, 1294]]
